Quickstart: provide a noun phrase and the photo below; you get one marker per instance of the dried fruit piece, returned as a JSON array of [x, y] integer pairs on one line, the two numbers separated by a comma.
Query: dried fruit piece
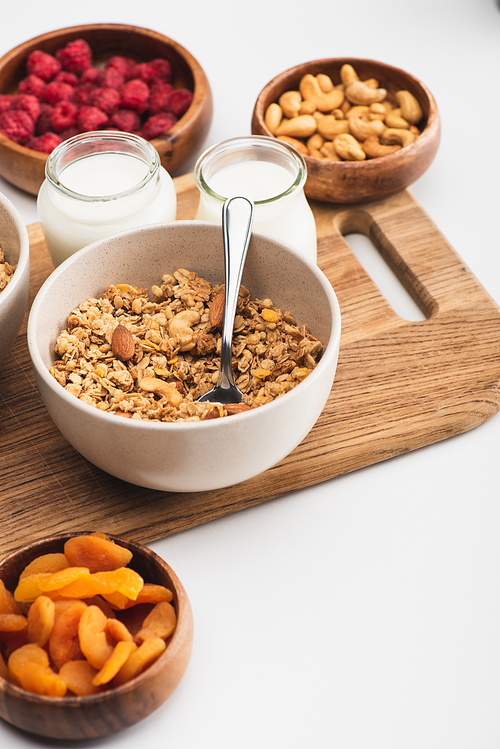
[[29, 666], [41, 618], [140, 659], [45, 563], [118, 631], [12, 622], [8, 604], [159, 623], [119, 656], [97, 552], [94, 641], [29, 587], [78, 676], [64, 642], [63, 578]]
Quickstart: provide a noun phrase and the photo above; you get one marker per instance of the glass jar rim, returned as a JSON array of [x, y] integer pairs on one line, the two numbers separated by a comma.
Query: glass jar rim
[[111, 141], [246, 144]]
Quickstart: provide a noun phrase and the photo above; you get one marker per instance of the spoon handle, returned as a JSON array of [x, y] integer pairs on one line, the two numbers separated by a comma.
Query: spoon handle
[[237, 220]]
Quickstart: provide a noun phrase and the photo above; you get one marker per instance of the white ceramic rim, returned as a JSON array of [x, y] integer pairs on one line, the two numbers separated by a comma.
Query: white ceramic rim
[[24, 250], [329, 357]]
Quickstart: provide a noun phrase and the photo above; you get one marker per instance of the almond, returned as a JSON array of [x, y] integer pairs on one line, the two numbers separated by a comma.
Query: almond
[[212, 413], [216, 312], [122, 343], [236, 408]]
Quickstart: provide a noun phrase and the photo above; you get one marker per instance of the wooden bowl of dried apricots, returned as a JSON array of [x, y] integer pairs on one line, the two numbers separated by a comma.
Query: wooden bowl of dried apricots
[[365, 129], [95, 634]]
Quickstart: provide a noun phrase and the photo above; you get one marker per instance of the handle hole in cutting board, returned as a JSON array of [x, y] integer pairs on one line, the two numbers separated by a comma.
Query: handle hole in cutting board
[[383, 277]]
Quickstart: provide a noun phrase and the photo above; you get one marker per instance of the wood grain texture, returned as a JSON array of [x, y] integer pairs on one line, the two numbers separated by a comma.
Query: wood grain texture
[[400, 385]]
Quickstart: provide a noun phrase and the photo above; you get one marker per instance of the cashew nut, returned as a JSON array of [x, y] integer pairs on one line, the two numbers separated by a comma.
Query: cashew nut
[[179, 327], [329, 126], [311, 91], [359, 93], [363, 130], [400, 136], [359, 109], [348, 147], [273, 117], [375, 149], [301, 148], [328, 151], [394, 119], [290, 103], [325, 82], [160, 387], [302, 126], [307, 107], [410, 108], [315, 141], [348, 74]]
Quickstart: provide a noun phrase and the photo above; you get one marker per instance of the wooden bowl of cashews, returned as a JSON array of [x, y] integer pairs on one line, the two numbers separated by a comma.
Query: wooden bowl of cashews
[[365, 129], [40, 705]]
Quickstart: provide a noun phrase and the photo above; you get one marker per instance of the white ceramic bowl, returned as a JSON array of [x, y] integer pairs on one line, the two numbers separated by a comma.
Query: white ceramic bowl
[[198, 456], [14, 298]]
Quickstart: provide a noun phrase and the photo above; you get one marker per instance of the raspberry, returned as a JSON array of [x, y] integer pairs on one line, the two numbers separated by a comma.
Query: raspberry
[[70, 78], [158, 124], [43, 65], [91, 118], [76, 56], [17, 125], [107, 99], [28, 103], [65, 134], [45, 143], [5, 102], [44, 121], [179, 101], [125, 65], [126, 119], [156, 70], [159, 98], [64, 116], [55, 92], [82, 94], [32, 84], [111, 78], [135, 95], [90, 75]]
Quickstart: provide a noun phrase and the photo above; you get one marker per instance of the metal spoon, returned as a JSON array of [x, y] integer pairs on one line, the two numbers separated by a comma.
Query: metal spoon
[[237, 220]]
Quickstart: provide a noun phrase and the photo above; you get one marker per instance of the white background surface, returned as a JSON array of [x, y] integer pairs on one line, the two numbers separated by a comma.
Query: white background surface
[[363, 613]]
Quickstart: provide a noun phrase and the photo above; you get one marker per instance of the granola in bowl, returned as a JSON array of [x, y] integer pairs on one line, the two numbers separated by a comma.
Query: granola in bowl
[[6, 271], [150, 356]]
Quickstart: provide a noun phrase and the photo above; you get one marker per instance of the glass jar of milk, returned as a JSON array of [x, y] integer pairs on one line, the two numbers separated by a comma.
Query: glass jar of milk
[[98, 184], [271, 174]]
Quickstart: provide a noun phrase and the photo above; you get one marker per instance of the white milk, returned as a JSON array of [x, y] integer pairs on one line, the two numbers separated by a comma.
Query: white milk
[[100, 194], [269, 175]]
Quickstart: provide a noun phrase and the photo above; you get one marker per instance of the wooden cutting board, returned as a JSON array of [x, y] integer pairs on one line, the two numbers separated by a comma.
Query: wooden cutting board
[[399, 386]]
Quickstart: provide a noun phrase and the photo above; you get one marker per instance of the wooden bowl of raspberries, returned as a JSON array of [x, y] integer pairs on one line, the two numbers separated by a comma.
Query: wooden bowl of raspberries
[[96, 77], [95, 634], [365, 129]]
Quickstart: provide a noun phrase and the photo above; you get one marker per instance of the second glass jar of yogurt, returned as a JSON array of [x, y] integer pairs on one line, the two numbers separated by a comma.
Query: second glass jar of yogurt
[[270, 173]]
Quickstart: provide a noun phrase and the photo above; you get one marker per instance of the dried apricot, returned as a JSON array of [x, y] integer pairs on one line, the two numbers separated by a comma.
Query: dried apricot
[[118, 631], [8, 604], [4, 671], [29, 587], [78, 676], [64, 642], [29, 666], [63, 578], [119, 656], [12, 622], [97, 552], [41, 617], [94, 641], [140, 659], [160, 622], [152, 593], [45, 563]]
